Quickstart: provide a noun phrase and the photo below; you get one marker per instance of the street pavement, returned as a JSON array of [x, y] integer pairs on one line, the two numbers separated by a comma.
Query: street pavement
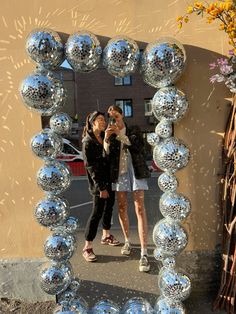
[[114, 276]]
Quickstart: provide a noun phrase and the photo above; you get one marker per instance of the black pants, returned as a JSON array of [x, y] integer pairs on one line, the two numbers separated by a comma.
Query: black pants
[[102, 208]]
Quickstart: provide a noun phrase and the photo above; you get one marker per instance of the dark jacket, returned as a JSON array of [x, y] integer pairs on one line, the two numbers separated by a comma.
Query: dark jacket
[[136, 150], [96, 164]]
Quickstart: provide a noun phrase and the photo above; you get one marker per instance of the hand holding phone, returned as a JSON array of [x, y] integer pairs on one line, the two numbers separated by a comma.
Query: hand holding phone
[[112, 121]]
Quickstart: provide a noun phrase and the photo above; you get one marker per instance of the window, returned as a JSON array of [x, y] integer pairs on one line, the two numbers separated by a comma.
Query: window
[[148, 106], [123, 81], [67, 149], [126, 106]]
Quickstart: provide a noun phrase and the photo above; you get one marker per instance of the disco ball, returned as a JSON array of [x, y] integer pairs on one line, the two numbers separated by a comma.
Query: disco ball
[[167, 182], [105, 306], [121, 56], [169, 237], [174, 285], [77, 306], [69, 226], [158, 254], [66, 296], [61, 123], [75, 284], [171, 154], [166, 306], [164, 128], [52, 211], [174, 206], [44, 46], [83, 51], [153, 139], [163, 62], [43, 92], [169, 262], [54, 278], [169, 103], [137, 306], [59, 247], [46, 144], [54, 177]]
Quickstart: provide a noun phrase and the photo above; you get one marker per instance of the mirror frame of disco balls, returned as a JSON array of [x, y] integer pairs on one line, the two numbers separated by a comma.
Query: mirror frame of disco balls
[[46, 144], [171, 154], [61, 123], [105, 306], [83, 51], [55, 277], [163, 62], [174, 205], [54, 177], [121, 56], [43, 92], [169, 237], [59, 247], [52, 211], [173, 284], [169, 103], [44, 46]]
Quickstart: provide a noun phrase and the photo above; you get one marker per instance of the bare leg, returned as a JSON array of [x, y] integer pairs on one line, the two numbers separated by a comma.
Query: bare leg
[[141, 216], [123, 214], [88, 245]]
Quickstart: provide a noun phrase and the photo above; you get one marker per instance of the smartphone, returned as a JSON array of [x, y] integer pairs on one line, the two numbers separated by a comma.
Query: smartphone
[[111, 121]]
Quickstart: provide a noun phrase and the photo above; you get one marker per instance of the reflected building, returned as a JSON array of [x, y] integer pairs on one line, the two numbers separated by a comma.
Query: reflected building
[[98, 90]]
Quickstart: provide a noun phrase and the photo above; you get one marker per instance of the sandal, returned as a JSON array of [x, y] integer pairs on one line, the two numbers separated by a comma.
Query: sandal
[[89, 255], [110, 240]]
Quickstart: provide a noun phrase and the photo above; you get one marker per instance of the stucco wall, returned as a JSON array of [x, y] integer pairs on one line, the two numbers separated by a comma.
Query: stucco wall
[[202, 128]]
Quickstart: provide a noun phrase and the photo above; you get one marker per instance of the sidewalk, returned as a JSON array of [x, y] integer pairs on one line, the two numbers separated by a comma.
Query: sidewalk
[[117, 278]]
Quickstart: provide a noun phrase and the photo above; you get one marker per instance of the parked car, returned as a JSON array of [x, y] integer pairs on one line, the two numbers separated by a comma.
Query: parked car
[[153, 167], [73, 157]]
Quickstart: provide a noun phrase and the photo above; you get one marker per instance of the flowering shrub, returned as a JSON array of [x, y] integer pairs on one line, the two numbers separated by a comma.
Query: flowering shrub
[[225, 12]]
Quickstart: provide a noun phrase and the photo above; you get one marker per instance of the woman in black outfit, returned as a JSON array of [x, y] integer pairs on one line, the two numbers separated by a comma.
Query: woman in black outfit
[[97, 165]]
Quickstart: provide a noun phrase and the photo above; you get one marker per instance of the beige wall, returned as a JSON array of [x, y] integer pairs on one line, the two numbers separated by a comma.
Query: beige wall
[[143, 20]]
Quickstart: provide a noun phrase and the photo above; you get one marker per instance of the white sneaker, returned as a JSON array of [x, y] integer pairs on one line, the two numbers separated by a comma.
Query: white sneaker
[[126, 249], [144, 265]]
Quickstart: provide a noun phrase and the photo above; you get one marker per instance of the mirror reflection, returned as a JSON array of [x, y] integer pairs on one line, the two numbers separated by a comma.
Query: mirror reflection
[[88, 92]]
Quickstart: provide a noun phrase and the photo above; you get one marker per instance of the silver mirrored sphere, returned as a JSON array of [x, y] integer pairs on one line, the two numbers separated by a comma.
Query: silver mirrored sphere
[[166, 306], [158, 254], [75, 284], [167, 182], [46, 144], [79, 306], [121, 56], [54, 177], [169, 262], [104, 307], [61, 123], [171, 154], [153, 139], [164, 128], [43, 92], [66, 296], [83, 51], [137, 306], [169, 103], [169, 237], [69, 226], [174, 205], [174, 285], [59, 247], [52, 211], [163, 62], [44, 46], [54, 278]]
